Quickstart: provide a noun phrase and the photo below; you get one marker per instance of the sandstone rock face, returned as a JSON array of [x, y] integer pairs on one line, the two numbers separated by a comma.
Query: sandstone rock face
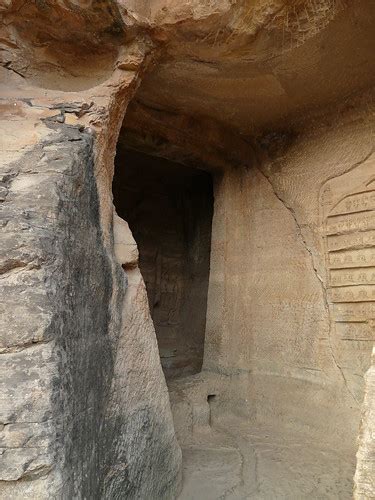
[[61, 412], [146, 463], [365, 472], [78, 421], [125, 246], [251, 63], [274, 100], [51, 367]]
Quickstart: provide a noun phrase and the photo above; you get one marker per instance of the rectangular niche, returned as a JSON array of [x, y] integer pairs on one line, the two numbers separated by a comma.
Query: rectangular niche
[[169, 207]]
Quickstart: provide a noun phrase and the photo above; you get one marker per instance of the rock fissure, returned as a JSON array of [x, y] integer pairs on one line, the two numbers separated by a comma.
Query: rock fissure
[[321, 282]]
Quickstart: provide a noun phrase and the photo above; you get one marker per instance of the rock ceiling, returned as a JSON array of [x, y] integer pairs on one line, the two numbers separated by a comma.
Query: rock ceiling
[[260, 63], [252, 65]]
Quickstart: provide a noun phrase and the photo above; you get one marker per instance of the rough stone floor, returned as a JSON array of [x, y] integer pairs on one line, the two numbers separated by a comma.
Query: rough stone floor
[[244, 463]]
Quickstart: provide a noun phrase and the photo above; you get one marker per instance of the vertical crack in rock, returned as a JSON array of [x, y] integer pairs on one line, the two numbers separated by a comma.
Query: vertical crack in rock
[[319, 278]]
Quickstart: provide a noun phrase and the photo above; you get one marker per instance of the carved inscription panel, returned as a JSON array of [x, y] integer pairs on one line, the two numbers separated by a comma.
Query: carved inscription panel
[[348, 222]]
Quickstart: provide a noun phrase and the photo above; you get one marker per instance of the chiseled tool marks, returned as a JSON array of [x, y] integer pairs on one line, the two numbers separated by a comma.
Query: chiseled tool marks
[[348, 223]]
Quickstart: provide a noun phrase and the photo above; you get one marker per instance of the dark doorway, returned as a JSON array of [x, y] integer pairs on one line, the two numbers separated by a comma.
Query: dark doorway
[[169, 207]]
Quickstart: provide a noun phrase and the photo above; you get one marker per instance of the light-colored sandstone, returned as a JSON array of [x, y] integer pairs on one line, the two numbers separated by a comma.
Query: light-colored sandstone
[[274, 98], [125, 246], [365, 472]]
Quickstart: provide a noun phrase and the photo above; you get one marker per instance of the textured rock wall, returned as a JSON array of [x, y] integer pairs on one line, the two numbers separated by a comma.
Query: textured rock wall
[[144, 459], [288, 322], [286, 349], [56, 369], [332, 199], [82, 415], [73, 422], [333, 207], [365, 472]]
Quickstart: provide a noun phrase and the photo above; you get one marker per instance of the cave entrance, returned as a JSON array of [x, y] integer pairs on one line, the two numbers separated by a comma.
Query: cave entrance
[[169, 208]]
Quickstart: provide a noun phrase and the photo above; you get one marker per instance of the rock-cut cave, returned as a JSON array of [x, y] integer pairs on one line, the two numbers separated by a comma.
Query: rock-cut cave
[[187, 193], [169, 210]]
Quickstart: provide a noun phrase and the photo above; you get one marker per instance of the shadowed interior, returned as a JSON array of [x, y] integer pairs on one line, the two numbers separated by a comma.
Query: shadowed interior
[[169, 210]]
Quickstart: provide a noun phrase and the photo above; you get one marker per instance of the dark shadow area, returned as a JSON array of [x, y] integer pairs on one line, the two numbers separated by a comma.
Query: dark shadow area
[[169, 207]]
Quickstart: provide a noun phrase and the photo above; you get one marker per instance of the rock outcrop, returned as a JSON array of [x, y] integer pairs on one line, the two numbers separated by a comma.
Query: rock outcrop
[[274, 100]]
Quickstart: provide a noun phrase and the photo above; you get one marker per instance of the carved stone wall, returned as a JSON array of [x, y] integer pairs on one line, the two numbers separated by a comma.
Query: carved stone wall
[[292, 321], [348, 224]]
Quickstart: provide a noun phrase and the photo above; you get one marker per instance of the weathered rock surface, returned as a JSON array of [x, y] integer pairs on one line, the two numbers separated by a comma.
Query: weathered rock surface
[[365, 472], [54, 384], [125, 246], [274, 98], [66, 432], [146, 462], [61, 415]]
